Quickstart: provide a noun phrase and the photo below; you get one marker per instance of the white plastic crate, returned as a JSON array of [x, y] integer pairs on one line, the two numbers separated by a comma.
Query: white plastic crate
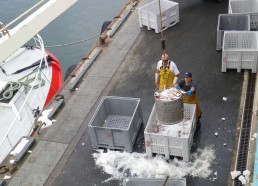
[[245, 6], [230, 22], [154, 182], [239, 51], [242, 6], [149, 15], [116, 123], [156, 142]]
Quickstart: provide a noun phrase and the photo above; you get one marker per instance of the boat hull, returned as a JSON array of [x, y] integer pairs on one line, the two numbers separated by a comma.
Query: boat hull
[[18, 114]]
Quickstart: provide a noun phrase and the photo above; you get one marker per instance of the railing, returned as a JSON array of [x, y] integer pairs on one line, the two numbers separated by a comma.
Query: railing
[[15, 131]]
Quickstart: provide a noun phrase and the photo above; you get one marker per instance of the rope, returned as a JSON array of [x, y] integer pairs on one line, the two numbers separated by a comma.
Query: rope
[[72, 43], [161, 30], [13, 86], [27, 82]]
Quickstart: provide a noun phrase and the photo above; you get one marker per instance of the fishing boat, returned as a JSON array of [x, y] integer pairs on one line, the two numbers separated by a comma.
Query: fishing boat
[[29, 75]]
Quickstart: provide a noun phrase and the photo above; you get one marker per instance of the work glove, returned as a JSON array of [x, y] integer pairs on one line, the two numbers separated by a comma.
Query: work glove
[[178, 87], [188, 93]]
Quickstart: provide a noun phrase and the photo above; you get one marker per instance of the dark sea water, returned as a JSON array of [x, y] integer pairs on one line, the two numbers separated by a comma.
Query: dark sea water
[[81, 21]]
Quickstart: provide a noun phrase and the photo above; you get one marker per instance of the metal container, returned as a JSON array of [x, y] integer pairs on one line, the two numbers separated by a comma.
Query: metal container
[[169, 112]]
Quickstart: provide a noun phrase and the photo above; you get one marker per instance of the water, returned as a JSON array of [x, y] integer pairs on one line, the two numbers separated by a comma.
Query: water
[[81, 21]]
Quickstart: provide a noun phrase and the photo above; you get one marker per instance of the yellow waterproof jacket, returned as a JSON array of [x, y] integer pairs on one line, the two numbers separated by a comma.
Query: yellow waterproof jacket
[[166, 78]]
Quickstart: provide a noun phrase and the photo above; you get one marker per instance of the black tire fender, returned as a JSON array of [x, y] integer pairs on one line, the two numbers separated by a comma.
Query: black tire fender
[[69, 71], [104, 26]]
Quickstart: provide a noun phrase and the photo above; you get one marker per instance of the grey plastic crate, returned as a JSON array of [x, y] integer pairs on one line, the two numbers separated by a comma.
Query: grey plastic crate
[[229, 22], [116, 123], [154, 182]]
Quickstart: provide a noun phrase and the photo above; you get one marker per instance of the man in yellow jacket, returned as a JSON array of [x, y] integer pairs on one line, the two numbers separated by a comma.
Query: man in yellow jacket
[[166, 74], [189, 87]]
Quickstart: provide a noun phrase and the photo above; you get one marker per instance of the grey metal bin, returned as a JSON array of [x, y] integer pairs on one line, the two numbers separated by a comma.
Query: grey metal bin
[[116, 123], [231, 22], [154, 182]]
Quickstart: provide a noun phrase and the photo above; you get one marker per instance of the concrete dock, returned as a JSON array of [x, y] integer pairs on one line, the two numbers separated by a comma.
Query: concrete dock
[[125, 67]]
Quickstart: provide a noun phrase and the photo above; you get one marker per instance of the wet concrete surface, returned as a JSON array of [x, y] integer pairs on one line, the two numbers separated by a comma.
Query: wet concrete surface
[[191, 44]]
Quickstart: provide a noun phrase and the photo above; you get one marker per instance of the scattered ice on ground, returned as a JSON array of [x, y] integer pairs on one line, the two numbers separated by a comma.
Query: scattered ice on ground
[[123, 164], [213, 179], [255, 135], [7, 177], [223, 119], [19, 147], [242, 179], [246, 174], [235, 174], [44, 118]]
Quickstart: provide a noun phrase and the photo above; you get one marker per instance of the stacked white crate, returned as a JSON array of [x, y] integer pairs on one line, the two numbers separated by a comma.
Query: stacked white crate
[[149, 15], [170, 145], [245, 6], [239, 51], [231, 22]]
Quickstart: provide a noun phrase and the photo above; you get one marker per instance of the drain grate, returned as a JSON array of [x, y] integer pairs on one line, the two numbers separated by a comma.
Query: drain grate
[[246, 126]]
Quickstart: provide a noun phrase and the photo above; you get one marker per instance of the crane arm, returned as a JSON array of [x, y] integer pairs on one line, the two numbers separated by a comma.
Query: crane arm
[[29, 27]]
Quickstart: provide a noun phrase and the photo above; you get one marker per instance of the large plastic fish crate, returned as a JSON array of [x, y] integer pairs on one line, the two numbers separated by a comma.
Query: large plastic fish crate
[[154, 182], [149, 15], [245, 6], [239, 51], [116, 123], [230, 22], [169, 145]]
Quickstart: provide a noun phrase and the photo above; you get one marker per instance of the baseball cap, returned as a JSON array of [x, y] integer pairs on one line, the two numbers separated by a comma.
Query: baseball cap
[[188, 74]]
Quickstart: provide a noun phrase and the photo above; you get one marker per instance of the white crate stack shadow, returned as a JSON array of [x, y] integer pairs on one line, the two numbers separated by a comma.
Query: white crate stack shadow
[[168, 145], [149, 15], [239, 51], [231, 22], [245, 6], [116, 123]]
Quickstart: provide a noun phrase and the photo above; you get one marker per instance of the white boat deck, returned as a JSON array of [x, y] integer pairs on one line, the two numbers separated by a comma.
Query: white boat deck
[[17, 117]]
